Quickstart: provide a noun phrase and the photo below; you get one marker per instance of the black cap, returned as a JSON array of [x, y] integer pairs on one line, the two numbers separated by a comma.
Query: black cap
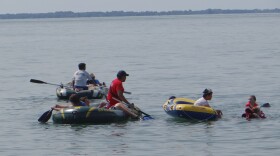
[[122, 73], [172, 97], [207, 91]]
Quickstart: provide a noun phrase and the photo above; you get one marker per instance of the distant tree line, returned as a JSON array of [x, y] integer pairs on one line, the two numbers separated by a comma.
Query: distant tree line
[[70, 14]]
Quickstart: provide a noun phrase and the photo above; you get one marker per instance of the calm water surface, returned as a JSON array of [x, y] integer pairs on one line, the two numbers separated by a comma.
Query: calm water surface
[[234, 55]]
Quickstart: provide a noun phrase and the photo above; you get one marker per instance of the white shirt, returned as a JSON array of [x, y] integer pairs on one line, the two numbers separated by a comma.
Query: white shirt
[[201, 102], [81, 77]]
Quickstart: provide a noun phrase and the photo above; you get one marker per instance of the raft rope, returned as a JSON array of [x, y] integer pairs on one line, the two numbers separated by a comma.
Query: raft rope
[[185, 113], [198, 119]]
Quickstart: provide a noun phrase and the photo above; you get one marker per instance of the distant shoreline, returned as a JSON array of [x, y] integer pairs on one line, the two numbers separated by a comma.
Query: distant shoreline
[[70, 14]]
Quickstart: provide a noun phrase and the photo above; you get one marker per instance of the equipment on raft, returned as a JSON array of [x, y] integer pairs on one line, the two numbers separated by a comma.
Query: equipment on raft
[[90, 115], [184, 108], [65, 93]]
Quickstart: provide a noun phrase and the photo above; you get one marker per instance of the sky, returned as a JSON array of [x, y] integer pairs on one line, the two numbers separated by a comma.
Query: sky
[[44, 6]]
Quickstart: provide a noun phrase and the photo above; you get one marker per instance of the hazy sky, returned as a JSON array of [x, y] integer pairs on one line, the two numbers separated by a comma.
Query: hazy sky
[[42, 6]]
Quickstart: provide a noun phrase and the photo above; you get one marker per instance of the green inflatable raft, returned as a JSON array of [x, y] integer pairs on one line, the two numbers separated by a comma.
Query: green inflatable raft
[[84, 114], [65, 93]]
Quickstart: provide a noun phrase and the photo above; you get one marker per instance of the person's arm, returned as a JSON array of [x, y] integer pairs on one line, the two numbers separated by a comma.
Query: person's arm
[[58, 107], [73, 80], [207, 105], [121, 96], [73, 83]]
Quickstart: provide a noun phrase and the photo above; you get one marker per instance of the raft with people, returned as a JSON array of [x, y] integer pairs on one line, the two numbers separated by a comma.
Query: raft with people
[[65, 91], [185, 108], [80, 111], [96, 92], [90, 115]]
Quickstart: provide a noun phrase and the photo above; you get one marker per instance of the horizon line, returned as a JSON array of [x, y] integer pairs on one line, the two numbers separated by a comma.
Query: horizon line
[[71, 14], [133, 11]]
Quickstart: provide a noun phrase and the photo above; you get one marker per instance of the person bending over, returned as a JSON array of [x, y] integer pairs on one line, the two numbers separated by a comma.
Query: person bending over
[[203, 101]]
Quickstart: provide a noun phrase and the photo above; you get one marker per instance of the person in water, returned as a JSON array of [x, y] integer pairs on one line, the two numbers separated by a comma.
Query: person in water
[[203, 101], [115, 94], [80, 78], [75, 101], [252, 109]]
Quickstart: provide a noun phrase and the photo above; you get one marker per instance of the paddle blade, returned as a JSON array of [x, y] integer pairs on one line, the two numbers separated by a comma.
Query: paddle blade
[[46, 116], [147, 118], [37, 81]]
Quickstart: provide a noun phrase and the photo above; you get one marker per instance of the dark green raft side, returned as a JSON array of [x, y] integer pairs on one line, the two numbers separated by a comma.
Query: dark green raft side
[[65, 93], [91, 115]]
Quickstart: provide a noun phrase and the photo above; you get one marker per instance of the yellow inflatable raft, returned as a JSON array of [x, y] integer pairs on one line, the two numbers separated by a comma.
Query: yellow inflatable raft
[[184, 108]]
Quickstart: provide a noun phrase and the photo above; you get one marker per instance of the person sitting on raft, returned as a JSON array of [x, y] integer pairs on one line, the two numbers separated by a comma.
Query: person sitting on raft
[[80, 78], [85, 100], [115, 94], [95, 81], [75, 101], [203, 101], [252, 109]]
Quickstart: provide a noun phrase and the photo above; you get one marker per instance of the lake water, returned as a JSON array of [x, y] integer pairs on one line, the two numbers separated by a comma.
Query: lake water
[[234, 55]]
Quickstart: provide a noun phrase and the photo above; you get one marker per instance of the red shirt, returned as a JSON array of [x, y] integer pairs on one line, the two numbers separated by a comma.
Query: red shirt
[[248, 105], [115, 86]]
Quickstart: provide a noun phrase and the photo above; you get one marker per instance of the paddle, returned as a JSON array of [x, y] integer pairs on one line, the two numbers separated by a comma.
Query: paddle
[[145, 117], [46, 116], [42, 82], [127, 92]]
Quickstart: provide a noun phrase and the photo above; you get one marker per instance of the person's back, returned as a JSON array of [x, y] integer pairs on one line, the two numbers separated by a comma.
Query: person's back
[[113, 91], [201, 102], [81, 77]]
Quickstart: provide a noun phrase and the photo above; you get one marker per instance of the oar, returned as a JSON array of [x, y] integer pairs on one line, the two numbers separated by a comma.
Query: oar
[[42, 82], [126, 92], [46, 116], [147, 115]]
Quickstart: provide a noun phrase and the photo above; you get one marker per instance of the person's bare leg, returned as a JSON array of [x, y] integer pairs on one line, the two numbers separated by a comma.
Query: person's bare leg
[[102, 104], [125, 109]]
